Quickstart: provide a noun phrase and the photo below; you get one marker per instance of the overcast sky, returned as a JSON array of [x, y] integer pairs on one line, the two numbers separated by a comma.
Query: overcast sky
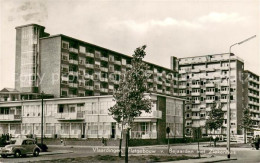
[[180, 28]]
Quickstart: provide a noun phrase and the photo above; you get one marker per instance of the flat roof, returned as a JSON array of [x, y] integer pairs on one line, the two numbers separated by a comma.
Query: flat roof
[[251, 72], [30, 25], [62, 35]]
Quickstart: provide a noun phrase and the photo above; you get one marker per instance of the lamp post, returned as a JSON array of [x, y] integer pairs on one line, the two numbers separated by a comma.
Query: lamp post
[[228, 100], [42, 120]]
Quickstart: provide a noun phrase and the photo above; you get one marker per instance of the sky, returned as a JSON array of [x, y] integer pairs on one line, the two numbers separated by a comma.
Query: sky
[[181, 28]]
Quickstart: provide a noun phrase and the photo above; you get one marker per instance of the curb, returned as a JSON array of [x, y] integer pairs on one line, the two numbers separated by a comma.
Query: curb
[[55, 152]]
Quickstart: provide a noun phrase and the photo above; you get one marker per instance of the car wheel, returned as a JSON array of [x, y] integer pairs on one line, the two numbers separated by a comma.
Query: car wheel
[[3, 156], [17, 154], [36, 152]]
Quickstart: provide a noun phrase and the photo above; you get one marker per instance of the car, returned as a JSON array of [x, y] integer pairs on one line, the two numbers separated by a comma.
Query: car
[[21, 147]]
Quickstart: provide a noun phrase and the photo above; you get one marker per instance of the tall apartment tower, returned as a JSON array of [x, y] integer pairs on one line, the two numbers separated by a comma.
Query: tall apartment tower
[[27, 57], [251, 96], [204, 81], [68, 67]]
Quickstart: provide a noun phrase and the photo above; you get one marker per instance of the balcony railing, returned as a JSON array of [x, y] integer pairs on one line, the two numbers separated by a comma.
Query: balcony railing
[[223, 100], [143, 135], [154, 114], [195, 86], [104, 59], [210, 85], [195, 117], [224, 92], [74, 50], [195, 93], [70, 116], [10, 117], [104, 90], [118, 62], [89, 65], [195, 109], [105, 69], [90, 54], [210, 93], [73, 72], [73, 85], [89, 87], [104, 79], [209, 101], [182, 71], [71, 61], [182, 86]]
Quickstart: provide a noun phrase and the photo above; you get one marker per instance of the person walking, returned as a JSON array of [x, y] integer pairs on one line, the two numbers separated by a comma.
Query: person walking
[[257, 141]]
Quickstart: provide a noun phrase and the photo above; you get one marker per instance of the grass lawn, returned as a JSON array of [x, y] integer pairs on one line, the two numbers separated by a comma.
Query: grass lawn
[[108, 158]]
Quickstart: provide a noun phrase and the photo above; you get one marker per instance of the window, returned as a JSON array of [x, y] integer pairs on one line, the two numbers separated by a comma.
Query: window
[[65, 45]]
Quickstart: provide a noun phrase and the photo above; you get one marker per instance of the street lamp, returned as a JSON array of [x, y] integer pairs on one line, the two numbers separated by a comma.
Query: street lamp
[[228, 105]]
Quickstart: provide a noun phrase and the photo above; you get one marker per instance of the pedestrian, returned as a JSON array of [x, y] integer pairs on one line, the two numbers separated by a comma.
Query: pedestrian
[[103, 141], [253, 143], [257, 141]]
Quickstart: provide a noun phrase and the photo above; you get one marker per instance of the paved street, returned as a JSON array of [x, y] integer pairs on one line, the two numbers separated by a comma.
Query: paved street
[[242, 154]]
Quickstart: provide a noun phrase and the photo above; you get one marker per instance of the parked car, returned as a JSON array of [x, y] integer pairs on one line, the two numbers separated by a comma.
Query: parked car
[[21, 147]]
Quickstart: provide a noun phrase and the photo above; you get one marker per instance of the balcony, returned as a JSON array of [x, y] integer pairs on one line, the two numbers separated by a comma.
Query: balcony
[[159, 74], [74, 85], [210, 85], [195, 109], [149, 71], [74, 50], [182, 94], [209, 101], [81, 84], [182, 86], [74, 73], [182, 71], [75, 62], [223, 100], [196, 101], [168, 92], [168, 84], [183, 79], [224, 68], [10, 117], [195, 125], [195, 117], [208, 109], [195, 86], [117, 72], [210, 93], [210, 69], [159, 91], [63, 78], [118, 62], [89, 87], [224, 92], [70, 116], [90, 55], [104, 90], [195, 93], [143, 134], [150, 80], [105, 69], [104, 79], [104, 59], [224, 83], [128, 65], [195, 70], [89, 65], [154, 114]]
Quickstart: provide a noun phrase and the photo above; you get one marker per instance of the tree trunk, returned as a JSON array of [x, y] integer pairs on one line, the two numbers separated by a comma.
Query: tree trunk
[[215, 143], [126, 145], [210, 139], [120, 143], [245, 130]]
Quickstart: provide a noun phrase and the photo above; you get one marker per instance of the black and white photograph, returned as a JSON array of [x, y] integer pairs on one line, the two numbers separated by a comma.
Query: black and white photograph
[[138, 81]]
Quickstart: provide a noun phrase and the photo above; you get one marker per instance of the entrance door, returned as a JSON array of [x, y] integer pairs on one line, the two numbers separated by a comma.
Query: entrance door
[[113, 131]]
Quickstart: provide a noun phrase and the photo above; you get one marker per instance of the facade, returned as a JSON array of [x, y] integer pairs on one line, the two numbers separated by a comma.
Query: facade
[[87, 117], [204, 81], [67, 67], [251, 95]]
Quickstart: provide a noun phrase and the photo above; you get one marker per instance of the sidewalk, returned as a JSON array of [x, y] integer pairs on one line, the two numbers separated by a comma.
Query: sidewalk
[[208, 159], [55, 152]]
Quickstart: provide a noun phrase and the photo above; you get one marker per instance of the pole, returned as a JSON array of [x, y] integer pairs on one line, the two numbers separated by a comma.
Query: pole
[[198, 135], [126, 145], [168, 144], [228, 99], [42, 121]]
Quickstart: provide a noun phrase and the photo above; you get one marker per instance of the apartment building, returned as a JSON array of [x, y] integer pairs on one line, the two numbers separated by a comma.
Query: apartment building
[[68, 67], [87, 117], [204, 81], [251, 95]]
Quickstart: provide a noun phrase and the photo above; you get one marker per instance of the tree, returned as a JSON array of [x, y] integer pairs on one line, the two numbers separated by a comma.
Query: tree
[[247, 122], [130, 96], [215, 120]]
